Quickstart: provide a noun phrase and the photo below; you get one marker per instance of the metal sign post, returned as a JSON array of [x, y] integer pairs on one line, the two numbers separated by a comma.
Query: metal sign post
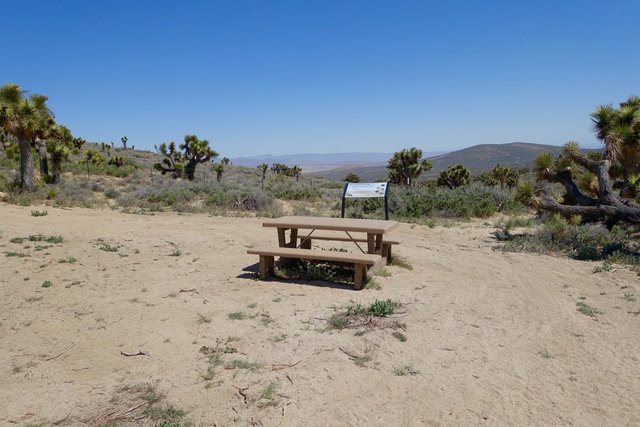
[[366, 190]]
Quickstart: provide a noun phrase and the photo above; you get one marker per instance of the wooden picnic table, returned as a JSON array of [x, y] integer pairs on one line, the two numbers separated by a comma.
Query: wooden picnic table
[[374, 229], [378, 250]]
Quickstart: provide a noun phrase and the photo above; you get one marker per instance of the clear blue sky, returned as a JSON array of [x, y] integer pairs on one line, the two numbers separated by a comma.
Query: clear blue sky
[[256, 77]]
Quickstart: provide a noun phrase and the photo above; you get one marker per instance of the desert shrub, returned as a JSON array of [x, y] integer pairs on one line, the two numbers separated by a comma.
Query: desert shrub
[[4, 182], [579, 241], [119, 171], [475, 200], [111, 193], [172, 196], [294, 191], [75, 194]]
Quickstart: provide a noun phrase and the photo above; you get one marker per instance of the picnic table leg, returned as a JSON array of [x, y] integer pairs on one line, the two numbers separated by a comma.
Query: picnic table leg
[[371, 243], [359, 276], [374, 243], [282, 241], [266, 266]]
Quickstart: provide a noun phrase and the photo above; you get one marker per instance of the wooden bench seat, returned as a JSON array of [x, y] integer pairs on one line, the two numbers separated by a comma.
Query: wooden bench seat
[[361, 262], [305, 241]]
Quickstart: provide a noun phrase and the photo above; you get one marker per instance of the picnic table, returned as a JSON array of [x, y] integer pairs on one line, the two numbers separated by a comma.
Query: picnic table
[[371, 232]]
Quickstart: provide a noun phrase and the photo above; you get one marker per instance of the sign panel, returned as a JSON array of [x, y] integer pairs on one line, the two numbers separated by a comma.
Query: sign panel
[[361, 190]]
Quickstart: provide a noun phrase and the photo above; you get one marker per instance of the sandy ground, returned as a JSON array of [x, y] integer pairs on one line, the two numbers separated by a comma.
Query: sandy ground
[[492, 338]]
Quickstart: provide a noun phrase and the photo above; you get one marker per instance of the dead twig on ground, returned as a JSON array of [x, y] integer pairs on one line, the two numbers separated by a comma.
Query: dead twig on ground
[[140, 353], [242, 393], [60, 354], [279, 367], [188, 290], [347, 353]]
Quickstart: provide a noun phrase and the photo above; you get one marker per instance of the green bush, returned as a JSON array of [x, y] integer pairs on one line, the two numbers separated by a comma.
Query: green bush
[[474, 200], [585, 241], [295, 191]]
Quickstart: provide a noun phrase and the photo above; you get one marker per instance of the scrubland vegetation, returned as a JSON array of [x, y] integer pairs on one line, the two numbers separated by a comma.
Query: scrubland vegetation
[[599, 203]]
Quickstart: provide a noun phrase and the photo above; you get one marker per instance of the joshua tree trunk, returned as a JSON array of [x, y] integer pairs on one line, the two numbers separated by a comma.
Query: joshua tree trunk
[[190, 169], [44, 158], [608, 206], [56, 167], [27, 175]]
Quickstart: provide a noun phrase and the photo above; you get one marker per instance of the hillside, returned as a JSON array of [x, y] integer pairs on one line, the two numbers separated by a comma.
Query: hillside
[[477, 159]]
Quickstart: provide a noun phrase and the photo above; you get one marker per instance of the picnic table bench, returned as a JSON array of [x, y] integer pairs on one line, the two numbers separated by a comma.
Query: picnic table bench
[[376, 255]]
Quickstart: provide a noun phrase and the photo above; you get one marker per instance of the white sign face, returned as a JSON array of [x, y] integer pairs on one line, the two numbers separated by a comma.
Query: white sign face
[[362, 190]]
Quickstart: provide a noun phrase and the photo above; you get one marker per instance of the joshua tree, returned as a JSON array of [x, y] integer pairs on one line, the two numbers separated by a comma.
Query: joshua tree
[[172, 162], [93, 157], [25, 118], [263, 168], [280, 169], [225, 161], [9, 144], [453, 177], [117, 161], [124, 140], [407, 165], [218, 168], [295, 171], [502, 175], [590, 180], [194, 151], [619, 131], [59, 145]]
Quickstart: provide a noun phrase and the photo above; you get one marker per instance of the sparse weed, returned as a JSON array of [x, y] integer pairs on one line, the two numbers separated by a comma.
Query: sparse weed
[[545, 354], [278, 338], [355, 312], [587, 310], [382, 273], [243, 364], [606, 266], [109, 248], [47, 284], [54, 239], [401, 262], [69, 260], [399, 336], [237, 315], [373, 284], [204, 318], [268, 395], [39, 213], [17, 240], [12, 254], [404, 370]]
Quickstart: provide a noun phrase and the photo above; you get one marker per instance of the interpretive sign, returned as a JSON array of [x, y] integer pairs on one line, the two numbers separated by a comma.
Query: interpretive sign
[[366, 190]]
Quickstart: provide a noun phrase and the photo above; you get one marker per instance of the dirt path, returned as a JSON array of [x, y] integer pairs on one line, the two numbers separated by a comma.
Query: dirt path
[[491, 338]]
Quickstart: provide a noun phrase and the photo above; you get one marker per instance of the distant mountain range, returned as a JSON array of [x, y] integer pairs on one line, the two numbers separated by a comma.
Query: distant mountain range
[[372, 166], [477, 159], [312, 163]]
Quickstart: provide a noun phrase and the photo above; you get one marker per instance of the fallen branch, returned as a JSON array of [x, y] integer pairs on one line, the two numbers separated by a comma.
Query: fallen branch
[[140, 353], [188, 290], [347, 353], [279, 367], [60, 354], [242, 393]]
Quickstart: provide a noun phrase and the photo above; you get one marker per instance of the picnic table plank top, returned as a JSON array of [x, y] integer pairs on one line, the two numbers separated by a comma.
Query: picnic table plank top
[[339, 224]]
